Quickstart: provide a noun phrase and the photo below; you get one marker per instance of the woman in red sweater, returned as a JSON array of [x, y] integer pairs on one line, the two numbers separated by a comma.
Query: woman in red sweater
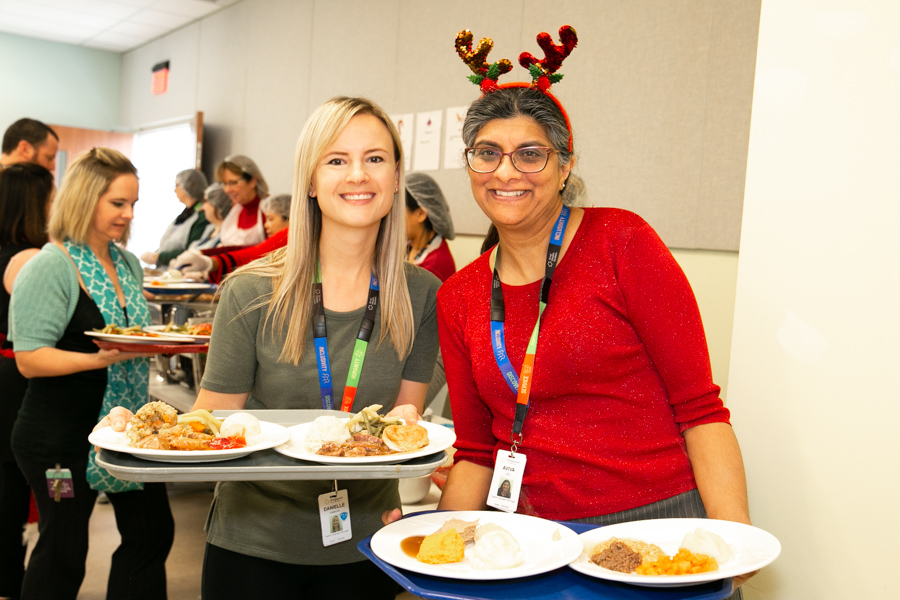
[[612, 415]]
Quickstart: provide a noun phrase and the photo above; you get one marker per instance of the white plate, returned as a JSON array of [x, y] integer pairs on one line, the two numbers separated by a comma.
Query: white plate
[[753, 549], [439, 438], [108, 439], [535, 537], [137, 339], [161, 330]]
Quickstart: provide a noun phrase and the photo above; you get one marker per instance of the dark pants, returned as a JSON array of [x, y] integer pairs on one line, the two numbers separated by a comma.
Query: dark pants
[[15, 496], [228, 574], [57, 563], [686, 505]]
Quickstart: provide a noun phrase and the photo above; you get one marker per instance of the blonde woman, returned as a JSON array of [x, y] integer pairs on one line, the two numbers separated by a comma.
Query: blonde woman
[[347, 220], [80, 281]]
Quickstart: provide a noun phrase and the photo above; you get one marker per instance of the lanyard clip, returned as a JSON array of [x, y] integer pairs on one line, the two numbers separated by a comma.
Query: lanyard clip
[[515, 443]]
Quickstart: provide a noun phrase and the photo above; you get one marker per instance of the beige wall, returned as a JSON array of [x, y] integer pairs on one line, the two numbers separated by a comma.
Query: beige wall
[[659, 93], [813, 380]]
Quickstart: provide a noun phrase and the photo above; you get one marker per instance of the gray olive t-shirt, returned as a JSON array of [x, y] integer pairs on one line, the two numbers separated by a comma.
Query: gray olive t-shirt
[[280, 520]]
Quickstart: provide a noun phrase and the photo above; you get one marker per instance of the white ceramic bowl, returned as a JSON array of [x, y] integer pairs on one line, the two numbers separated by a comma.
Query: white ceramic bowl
[[414, 489]]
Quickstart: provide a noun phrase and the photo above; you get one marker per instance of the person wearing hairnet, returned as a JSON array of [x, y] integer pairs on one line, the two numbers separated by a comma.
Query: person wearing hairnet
[[187, 227], [276, 210], [216, 206], [428, 226], [245, 185]]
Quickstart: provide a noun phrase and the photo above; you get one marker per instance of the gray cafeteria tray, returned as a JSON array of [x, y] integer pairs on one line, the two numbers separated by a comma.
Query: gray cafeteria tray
[[265, 465]]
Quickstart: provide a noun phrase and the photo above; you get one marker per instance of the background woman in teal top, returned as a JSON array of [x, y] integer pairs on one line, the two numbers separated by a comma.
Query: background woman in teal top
[[81, 281]]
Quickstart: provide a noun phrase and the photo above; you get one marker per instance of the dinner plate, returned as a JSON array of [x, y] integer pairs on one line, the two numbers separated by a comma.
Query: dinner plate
[[161, 330], [179, 287], [547, 545], [753, 549], [439, 438], [179, 347], [106, 438], [136, 339]]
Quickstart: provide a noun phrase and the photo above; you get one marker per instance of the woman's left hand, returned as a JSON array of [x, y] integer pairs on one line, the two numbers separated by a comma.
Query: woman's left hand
[[407, 412]]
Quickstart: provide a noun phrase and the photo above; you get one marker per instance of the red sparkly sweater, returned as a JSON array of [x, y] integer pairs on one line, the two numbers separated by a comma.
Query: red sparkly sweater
[[621, 370]]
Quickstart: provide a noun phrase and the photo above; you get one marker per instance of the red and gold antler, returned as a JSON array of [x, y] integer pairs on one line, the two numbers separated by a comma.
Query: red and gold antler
[[485, 75], [544, 71]]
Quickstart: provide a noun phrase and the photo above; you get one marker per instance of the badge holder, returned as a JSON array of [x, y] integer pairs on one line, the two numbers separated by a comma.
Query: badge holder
[[334, 515], [506, 482], [59, 483]]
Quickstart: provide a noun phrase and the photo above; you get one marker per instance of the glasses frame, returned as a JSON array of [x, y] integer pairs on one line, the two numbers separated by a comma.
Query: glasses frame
[[550, 151]]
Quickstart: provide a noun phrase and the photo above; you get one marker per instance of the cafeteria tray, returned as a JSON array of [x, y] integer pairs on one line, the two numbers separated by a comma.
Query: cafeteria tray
[[265, 465], [560, 584]]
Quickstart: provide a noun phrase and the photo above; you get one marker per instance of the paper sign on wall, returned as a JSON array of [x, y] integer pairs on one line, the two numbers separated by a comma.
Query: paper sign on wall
[[428, 141], [453, 141], [404, 125]]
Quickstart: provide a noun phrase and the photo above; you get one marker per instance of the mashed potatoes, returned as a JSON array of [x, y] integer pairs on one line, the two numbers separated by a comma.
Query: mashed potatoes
[[242, 424], [496, 549], [442, 548], [325, 429], [700, 541]]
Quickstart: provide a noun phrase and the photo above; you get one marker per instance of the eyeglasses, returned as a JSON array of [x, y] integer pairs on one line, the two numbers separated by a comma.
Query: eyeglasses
[[484, 159], [232, 183]]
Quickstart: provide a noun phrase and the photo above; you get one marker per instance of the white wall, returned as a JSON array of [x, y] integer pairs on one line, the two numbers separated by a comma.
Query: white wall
[[58, 83], [814, 362]]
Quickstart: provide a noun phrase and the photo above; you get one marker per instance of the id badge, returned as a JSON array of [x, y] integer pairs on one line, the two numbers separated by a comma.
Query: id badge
[[507, 481], [59, 483], [334, 514]]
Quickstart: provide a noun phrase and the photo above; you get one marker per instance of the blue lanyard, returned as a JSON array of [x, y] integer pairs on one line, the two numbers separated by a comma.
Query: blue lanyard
[[320, 335], [498, 316]]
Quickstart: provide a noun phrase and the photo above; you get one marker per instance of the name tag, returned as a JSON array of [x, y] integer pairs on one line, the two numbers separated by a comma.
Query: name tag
[[507, 481], [334, 514]]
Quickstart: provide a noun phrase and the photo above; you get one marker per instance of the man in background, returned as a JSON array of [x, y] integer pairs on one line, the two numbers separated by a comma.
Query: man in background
[[28, 140]]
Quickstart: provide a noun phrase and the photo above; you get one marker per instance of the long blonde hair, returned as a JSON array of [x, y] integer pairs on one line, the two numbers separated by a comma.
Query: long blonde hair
[[86, 180], [293, 268]]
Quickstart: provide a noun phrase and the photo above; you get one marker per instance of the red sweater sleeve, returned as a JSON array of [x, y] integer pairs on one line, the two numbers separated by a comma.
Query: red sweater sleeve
[[226, 262], [663, 311]]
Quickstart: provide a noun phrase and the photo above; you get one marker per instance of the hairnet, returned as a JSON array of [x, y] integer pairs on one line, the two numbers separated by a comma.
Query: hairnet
[[248, 167], [215, 195], [427, 194], [193, 182], [280, 205]]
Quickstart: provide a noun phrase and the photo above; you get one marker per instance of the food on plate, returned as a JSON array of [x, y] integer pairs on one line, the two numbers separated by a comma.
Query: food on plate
[[647, 551], [466, 529], [405, 438], [242, 425], [635, 556], [684, 562], [486, 546], [495, 549], [700, 541], [369, 421], [196, 329], [150, 419], [324, 430], [134, 330], [442, 548], [618, 557], [365, 434], [158, 426]]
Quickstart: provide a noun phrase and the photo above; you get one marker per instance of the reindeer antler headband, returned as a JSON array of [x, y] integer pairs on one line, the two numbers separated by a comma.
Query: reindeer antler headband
[[543, 72]]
